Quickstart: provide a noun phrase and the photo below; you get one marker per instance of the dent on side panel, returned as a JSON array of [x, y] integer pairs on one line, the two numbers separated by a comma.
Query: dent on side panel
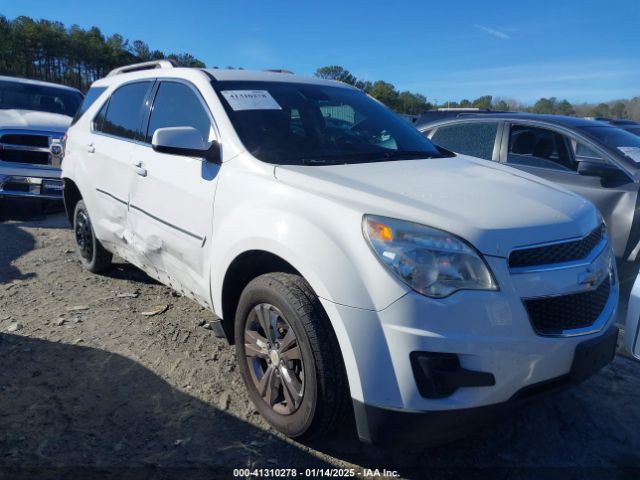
[[163, 257]]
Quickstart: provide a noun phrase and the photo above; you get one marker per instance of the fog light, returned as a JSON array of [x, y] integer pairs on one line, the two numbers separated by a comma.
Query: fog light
[[439, 375]]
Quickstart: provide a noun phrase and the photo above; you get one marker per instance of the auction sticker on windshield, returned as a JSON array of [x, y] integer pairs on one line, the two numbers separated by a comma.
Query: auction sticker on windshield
[[250, 100]]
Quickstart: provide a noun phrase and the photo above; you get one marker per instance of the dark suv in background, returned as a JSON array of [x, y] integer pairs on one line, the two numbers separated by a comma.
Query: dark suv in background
[[592, 158]]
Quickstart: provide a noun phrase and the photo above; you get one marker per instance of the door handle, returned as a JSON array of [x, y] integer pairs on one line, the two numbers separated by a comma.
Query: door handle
[[139, 168], [91, 148]]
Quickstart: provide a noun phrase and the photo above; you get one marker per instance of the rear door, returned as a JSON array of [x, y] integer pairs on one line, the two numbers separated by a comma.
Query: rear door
[[115, 131], [555, 155], [479, 139], [172, 196]]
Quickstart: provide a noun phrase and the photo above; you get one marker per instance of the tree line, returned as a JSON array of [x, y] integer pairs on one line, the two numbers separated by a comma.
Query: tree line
[[48, 50], [415, 103], [402, 102]]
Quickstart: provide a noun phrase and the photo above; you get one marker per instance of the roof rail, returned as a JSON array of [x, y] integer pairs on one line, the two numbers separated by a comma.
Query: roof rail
[[134, 67]]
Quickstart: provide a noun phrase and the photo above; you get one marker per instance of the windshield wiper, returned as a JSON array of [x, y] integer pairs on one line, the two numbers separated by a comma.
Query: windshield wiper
[[364, 157], [411, 153], [321, 161]]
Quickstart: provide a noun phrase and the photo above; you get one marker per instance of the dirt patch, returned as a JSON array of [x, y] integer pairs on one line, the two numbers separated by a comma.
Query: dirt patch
[[90, 385]]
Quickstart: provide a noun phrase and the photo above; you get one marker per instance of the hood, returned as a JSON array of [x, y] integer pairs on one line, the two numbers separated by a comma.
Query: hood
[[494, 207], [34, 120]]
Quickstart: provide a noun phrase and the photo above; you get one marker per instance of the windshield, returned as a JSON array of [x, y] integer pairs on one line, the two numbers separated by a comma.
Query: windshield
[[292, 123], [24, 96], [624, 142]]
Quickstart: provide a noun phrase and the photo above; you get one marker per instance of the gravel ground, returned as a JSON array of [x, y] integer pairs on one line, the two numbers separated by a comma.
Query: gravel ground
[[91, 387]]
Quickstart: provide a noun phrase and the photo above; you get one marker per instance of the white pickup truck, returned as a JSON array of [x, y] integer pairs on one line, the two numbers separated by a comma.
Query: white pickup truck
[[33, 119], [357, 267]]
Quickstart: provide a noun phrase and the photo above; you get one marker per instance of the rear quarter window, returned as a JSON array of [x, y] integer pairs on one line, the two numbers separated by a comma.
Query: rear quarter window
[[474, 139]]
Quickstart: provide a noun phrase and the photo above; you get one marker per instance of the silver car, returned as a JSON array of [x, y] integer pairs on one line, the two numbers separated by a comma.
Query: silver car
[[599, 161]]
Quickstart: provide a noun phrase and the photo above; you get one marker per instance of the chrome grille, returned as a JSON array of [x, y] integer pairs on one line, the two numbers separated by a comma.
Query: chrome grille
[[558, 252], [28, 147]]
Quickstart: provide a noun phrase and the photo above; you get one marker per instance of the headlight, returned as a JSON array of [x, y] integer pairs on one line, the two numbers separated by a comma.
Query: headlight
[[432, 262]]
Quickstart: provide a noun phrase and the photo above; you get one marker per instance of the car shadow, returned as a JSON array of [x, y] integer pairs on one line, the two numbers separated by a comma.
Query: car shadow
[[127, 271], [15, 242], [588, 431], [24, 209], [71, 411]]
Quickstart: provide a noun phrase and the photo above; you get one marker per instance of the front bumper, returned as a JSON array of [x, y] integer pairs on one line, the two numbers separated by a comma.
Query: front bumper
[[384, 426], [45, 184], [497, 351], [488, 332]]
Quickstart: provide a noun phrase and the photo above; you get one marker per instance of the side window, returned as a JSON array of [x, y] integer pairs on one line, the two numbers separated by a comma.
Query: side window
[[98, 121], [475, 139], [123, 113], [539, 147], [177, 105]]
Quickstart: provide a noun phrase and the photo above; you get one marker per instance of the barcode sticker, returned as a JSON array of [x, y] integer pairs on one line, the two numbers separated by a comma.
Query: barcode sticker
[[250, 100]]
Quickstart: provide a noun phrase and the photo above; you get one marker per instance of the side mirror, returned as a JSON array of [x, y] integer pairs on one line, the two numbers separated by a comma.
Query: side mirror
[[185, 141], [598, 169]]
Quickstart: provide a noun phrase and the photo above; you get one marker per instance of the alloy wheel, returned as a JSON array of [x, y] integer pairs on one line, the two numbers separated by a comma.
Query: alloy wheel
[[274, 359]]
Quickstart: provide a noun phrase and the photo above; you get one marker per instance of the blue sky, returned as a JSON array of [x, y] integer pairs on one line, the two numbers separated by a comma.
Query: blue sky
[[447, 50]]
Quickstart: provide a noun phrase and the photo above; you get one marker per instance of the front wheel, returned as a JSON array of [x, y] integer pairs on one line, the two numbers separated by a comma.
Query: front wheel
[[93, 255], [289, 357]]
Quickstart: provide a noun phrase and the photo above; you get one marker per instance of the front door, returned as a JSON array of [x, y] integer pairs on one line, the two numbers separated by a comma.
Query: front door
[[171, 206]]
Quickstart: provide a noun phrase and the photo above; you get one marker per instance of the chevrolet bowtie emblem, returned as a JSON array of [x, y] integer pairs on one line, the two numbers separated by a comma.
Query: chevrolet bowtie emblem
[[596, 272]]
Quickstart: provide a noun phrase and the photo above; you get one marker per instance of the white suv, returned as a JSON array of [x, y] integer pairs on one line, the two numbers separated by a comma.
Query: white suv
[[355, 265]]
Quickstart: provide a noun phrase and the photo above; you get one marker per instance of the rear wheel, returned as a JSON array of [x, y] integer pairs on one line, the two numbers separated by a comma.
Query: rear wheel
[[289, 357], [93, 255]]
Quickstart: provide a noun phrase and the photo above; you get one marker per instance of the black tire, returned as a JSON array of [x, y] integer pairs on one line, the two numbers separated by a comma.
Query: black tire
[[325, 400], [93, 256]]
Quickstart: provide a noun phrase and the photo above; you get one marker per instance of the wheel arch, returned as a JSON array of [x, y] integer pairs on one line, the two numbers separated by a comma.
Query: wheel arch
[[70, 197], [244, 268], [250, 264]]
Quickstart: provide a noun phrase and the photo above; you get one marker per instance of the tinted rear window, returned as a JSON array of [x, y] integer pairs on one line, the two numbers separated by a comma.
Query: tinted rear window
[[125, 107], [475, 139]]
